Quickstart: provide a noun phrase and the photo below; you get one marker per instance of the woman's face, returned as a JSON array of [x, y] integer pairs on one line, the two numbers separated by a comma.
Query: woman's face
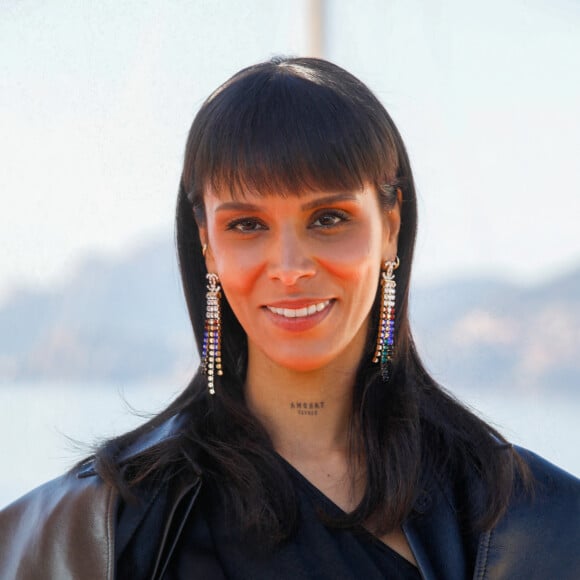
[[300, 273]]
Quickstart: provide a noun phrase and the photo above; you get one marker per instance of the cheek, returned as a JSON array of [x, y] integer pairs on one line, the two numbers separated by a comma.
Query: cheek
[[354, 258], [238, 270]]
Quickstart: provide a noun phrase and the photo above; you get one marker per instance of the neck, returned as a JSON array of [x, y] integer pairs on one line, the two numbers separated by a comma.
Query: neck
[[307, 414]]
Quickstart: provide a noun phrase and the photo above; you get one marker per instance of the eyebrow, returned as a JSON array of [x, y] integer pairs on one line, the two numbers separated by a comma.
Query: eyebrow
[[317, 202]]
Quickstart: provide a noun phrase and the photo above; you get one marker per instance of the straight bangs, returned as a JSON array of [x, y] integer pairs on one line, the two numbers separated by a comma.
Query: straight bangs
[[287, 130]]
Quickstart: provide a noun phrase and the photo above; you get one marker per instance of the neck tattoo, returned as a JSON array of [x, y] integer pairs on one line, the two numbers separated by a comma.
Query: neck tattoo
[[307, 407]]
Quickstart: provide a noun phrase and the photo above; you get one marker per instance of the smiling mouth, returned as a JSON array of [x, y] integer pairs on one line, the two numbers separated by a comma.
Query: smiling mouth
[[300, 312]]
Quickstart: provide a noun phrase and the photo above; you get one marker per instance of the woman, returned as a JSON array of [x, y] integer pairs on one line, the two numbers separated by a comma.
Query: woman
[[311, 443]]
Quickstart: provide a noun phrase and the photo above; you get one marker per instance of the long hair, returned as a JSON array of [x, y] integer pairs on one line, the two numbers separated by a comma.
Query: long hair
[[283, 127]]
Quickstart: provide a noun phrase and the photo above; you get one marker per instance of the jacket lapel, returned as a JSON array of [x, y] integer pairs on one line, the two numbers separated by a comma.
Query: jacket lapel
[[435, 536]]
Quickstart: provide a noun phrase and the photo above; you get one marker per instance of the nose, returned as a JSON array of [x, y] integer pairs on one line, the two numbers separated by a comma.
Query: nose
[[290, 258]]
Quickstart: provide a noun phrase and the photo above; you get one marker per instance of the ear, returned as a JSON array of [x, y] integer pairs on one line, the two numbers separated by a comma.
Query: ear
[[206, 248], [391, 227]]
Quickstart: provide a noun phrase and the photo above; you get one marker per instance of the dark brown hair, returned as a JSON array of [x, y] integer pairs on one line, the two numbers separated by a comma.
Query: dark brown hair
[[283, 127]]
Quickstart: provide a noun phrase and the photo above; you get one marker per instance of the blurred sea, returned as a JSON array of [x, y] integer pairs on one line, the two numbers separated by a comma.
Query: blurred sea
[[47, 427]]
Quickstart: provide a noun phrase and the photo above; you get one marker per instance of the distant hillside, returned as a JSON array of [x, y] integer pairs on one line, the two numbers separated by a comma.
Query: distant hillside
[[127, 320], [123, 319], [481, 333]]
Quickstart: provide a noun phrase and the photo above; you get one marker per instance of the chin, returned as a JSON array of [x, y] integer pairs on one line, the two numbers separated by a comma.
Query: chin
[[301, 364]]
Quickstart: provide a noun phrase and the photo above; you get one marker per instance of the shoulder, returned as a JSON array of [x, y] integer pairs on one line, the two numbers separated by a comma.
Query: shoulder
[[67, 527], [67, 511], [538, 536], [553, 486], [554, 500]]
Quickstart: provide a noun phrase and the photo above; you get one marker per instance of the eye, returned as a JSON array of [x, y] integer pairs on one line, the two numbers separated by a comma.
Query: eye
[[329, 219], [246, 225]]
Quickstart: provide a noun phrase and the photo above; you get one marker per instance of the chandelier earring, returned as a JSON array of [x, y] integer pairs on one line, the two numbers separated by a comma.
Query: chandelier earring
[[211, 356], [385, 348]]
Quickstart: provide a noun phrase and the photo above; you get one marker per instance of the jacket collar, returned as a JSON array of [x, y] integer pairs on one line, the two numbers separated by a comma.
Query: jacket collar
[[441, 548], [433, 530], [438, 529]]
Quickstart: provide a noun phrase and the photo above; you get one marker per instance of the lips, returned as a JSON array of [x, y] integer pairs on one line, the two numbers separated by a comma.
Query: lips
[[302, 311], [297, 316]]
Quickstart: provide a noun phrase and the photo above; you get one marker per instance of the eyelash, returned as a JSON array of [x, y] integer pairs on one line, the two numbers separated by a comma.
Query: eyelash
[[341, 216], [234, 225], [334, 213]]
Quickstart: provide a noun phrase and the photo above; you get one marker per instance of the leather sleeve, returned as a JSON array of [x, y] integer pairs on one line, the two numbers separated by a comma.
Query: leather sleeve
[[538, 538], [63, 529]]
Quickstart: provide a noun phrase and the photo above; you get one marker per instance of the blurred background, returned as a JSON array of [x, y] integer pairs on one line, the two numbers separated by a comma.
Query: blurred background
[[96, 99]]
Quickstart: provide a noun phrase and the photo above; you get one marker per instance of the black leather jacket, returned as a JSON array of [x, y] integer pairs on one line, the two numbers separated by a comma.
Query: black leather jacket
[[70, 528]]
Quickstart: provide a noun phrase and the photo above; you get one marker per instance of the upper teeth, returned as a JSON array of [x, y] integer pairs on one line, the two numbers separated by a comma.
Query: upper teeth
[[298, 312]]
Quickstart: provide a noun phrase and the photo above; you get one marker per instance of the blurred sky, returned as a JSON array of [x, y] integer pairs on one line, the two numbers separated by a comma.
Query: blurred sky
[[96, 99]]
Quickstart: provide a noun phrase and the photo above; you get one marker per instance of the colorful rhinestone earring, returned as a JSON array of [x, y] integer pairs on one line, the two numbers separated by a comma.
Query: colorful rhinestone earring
[[211, 351], [385, 340]]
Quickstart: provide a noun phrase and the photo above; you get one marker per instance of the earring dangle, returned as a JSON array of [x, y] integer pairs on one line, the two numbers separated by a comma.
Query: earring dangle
[[211, 351], [385, 349]]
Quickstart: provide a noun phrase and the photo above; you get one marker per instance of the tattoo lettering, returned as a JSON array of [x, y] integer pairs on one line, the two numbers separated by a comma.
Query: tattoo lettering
[[306, 407]]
